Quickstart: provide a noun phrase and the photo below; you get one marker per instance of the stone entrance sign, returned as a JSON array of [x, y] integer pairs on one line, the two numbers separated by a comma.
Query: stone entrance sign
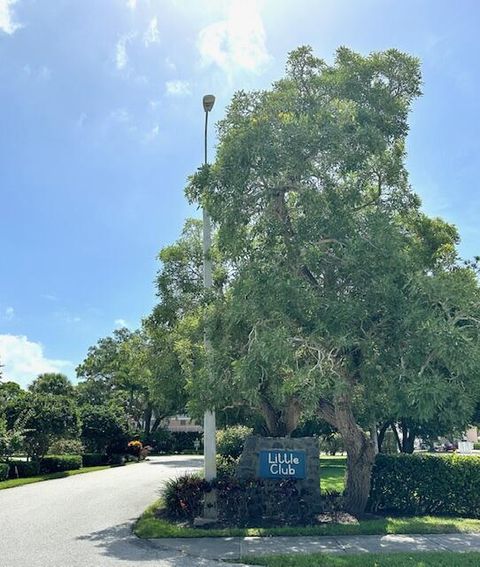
[[280, 458]]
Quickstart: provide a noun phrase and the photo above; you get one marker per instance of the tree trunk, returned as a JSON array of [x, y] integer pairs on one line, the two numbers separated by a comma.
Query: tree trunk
[[360, 459], [408, 438], [271, 418], [397, 437], [381, 435], [291, 416], [374, 438], [360, 453], [280, 423], [157, 422], [148, 419]]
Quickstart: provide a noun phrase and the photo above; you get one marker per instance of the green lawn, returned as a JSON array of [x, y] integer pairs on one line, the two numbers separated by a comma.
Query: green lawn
[[149, 526], [332, 473], [31, 479], [420, 559]]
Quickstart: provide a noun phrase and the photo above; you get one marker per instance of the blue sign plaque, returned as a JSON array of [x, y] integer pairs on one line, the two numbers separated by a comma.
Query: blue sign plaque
[[282, 463]]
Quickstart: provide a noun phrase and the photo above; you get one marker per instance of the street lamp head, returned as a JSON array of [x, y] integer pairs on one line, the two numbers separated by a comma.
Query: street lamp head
[[208, 102]]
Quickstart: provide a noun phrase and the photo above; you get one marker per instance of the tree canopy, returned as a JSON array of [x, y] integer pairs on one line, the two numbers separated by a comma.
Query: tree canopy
[[345, 299]]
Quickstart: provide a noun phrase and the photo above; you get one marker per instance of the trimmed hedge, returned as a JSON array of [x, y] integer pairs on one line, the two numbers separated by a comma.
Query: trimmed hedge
[[4, 467], [95, 459], [426, 484], [60, 463], [117, 460], [23, 469]]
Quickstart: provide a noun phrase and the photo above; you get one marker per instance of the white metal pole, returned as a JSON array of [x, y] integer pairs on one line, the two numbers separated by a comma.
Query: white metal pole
[[209, 426]]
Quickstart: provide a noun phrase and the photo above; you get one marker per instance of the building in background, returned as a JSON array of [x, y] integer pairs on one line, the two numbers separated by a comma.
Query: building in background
[[179, 423]]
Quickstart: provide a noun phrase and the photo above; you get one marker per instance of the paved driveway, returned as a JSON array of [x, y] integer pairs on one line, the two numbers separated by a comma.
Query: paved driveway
[[86, 520]]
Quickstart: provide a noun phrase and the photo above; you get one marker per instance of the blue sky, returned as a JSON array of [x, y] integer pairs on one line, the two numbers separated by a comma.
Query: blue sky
[[101, 122]]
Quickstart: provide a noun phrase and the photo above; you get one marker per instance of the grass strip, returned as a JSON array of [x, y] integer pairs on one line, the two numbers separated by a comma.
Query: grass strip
[[12, 483], [414, 559], [150, 526]]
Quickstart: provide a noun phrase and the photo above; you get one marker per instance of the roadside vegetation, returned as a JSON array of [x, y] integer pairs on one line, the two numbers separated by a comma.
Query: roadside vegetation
[[155, 522], [420, 559], [14, 482], [152, 524]]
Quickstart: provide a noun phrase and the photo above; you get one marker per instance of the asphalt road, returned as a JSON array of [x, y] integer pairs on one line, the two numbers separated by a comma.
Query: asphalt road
[[86, 520]]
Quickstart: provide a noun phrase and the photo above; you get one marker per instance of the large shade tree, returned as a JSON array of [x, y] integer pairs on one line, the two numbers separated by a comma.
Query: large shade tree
[[134, 371], [52, 383], [342, 292]]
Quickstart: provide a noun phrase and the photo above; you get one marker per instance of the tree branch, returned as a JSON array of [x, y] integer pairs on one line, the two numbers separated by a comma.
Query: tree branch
[[326, 411]]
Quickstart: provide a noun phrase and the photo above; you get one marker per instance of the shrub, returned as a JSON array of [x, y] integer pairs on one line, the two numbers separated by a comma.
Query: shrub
[[226, 466], [144, 452], [183, 497], [160, 440], [4, 467], [476, 446], [258, 502], [230, 441], [117, 460], [66, 447], [183, 441], [104, 430], [134, 448], [240, 502], [426, 484], [94, 459], [59, 463], [23, 469], [167, 442]]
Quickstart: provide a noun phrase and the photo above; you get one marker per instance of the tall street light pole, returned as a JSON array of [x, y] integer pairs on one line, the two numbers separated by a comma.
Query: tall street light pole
[[209, 442]]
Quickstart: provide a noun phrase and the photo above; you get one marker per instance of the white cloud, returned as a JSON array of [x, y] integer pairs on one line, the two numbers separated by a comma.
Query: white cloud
[[178, 88], [80, 121], [66, 317], [119, 119], [119, 323], [154, 132], [44, 73], [7, 24], [23, 359], [152, 34], [237, 41], [120, 115], [121, 55], [38, 73], [170, 64], [132, 4], [9, 313]]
